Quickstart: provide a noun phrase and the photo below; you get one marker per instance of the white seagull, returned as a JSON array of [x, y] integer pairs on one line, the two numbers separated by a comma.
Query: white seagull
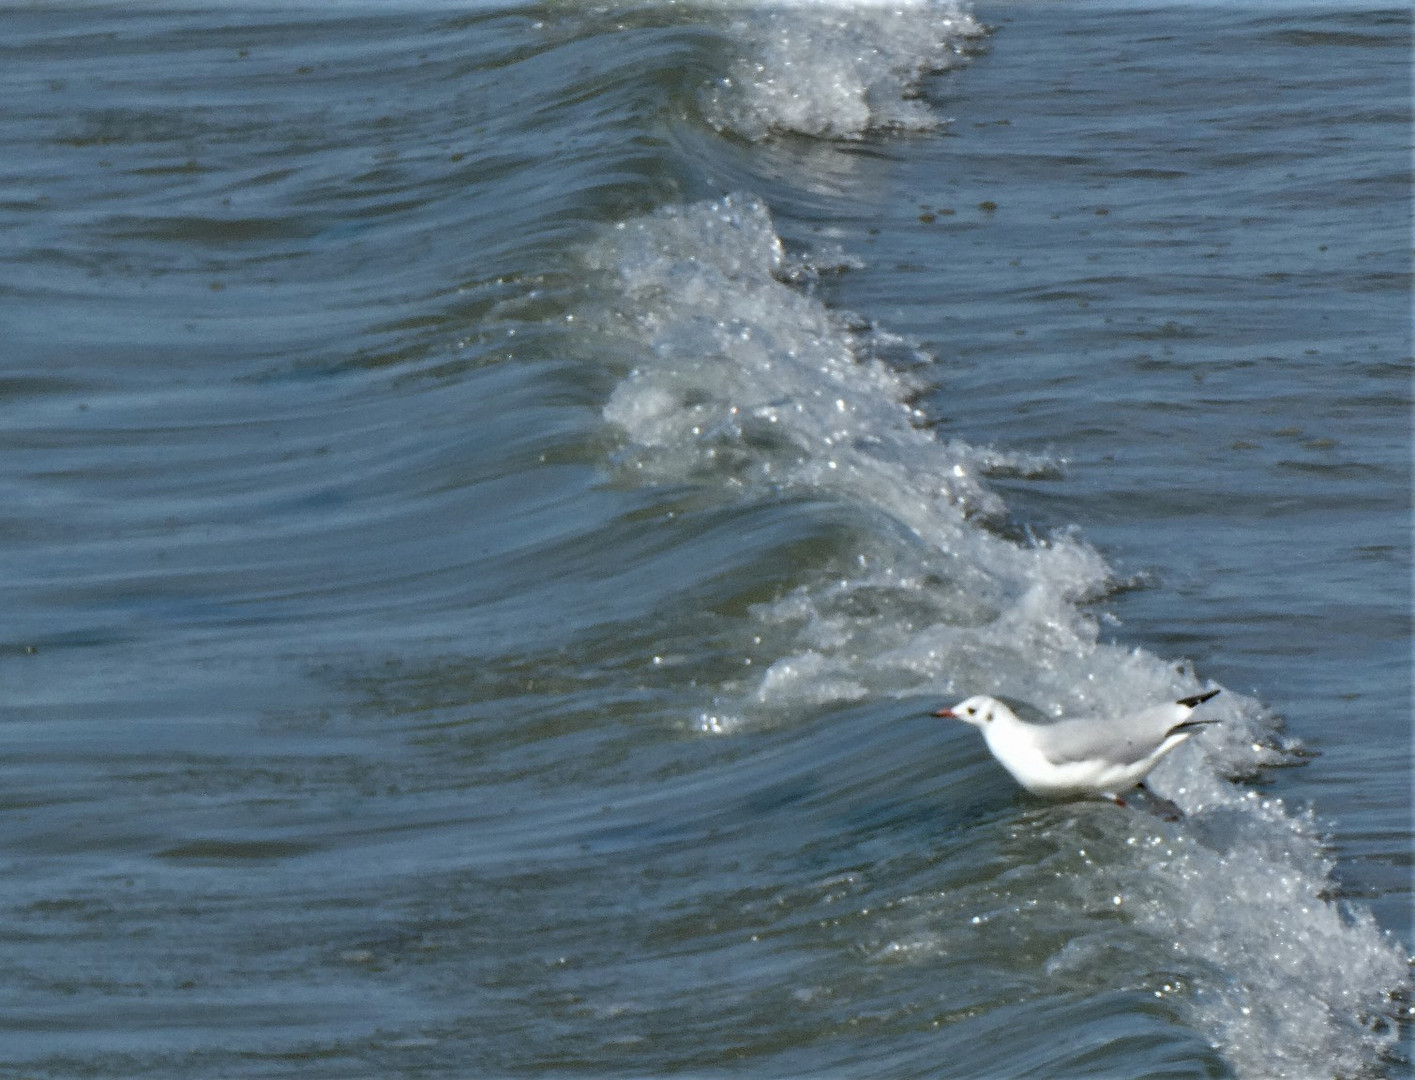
[[1081, 756]]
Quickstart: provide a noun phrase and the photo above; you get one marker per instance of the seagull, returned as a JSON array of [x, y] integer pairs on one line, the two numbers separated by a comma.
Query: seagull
[[1081, 756]]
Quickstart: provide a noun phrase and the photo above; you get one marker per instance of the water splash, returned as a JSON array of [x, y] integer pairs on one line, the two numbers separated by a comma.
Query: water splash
[[836, 70]]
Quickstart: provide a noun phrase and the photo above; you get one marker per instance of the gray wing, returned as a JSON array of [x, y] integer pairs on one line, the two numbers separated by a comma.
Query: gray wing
[[1124, 740]]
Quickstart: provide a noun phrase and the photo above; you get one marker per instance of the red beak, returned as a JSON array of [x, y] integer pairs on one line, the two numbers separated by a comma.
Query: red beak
[[947, 714]]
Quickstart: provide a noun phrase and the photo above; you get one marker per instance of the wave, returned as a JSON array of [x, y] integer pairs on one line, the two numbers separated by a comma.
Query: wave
[[748, 388]]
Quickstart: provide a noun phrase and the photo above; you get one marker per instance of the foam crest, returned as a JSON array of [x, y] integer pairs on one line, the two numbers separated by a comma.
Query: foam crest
[[755, 382], [836, 71], [1294, 979]]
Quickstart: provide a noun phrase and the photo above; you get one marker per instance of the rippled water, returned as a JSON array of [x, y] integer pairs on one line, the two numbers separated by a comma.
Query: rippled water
[[491, 497]]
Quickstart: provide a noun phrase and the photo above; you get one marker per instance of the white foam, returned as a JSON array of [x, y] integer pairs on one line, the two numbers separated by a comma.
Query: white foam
[[836, 70], [1296, 979], [754, 390]]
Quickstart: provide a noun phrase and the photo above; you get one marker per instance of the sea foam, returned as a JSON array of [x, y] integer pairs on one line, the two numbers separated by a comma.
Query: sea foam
[[835, 70]]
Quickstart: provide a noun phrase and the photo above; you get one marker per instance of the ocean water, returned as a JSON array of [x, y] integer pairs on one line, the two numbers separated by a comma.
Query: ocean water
[[491, 496]]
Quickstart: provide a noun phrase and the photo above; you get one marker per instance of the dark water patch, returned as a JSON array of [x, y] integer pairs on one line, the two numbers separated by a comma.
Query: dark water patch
[[218, 851]]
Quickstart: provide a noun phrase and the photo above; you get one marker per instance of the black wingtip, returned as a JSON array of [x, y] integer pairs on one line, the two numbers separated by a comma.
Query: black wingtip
[[1197, 699]]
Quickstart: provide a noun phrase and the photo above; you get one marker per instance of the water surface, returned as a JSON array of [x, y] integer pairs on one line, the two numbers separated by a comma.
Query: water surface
[[492, 495]]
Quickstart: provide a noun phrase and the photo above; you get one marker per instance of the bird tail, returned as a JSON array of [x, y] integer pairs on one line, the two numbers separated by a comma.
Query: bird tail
[[1187, 724]]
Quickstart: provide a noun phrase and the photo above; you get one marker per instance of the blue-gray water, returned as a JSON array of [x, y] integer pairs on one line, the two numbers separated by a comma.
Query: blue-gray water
[[490, 497]]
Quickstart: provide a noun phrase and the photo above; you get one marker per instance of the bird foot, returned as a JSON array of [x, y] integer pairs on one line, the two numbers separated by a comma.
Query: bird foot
[[1162, 808]]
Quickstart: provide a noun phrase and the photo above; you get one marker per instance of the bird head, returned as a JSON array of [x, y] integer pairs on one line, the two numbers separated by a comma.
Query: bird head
[[980, 711]]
